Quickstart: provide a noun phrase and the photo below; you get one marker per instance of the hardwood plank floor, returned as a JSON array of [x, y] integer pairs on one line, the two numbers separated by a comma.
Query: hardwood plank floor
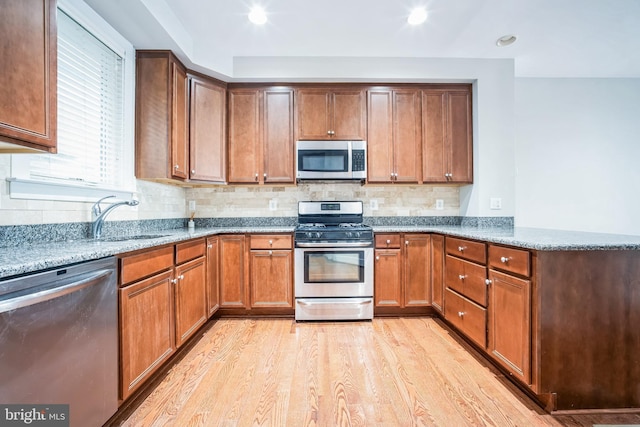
[[387, 372]]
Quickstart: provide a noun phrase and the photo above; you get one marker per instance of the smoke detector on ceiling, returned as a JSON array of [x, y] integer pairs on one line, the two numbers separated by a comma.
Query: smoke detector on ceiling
[[507, 40]]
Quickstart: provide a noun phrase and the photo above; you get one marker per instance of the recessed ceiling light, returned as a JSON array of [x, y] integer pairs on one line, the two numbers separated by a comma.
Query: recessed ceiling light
[[417, 16], [506, 40], [257, 15]]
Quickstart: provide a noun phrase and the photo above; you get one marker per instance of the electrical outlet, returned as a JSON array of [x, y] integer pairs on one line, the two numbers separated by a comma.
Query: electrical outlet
[[373, 204], [439, 204], [192, 205], [273, 204], [496, 203]]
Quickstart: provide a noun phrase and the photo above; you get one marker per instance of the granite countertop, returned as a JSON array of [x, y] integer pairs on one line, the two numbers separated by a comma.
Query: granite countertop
[[25, 259]]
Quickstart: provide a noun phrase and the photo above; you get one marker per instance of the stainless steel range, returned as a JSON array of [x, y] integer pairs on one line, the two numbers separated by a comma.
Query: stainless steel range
[[333, 262]]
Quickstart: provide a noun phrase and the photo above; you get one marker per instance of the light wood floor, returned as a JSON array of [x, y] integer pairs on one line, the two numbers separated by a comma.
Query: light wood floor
[[387, 372]]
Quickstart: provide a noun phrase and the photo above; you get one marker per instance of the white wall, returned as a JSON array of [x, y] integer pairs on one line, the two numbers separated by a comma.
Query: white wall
[[578, 154]]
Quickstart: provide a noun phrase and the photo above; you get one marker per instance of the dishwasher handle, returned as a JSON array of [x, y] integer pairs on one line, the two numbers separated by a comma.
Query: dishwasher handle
[[50, 291]]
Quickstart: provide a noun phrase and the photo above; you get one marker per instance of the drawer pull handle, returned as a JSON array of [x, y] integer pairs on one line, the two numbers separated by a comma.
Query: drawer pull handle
[[406, 242], [270, 242], [388, 241], [461, 276], [460, 313], [461, 248], [209, 246], [504, 259], [270, 253], [487, 282], [174, 281]]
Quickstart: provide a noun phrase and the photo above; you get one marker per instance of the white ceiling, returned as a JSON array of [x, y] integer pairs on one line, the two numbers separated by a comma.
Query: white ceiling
[[556, 38]]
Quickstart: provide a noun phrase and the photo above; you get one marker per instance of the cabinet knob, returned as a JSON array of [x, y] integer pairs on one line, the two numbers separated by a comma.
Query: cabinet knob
[[461, 248], [270, 253], [378, 258], [209, 246], [181, 277], [193, 171], [461, 276], [460, 313], [174, 281], [256, 176], [487, 282], [406, 242], [270, 242], [176, 167], [265, 175], [504, 259], [388, 241]]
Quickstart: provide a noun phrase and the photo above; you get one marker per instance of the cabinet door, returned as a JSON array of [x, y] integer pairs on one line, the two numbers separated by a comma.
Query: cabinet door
[[179, 122], [437, 272], [313, 114], [147, 332], [459, 137], [278, 147], [28, 75], [244, 135], [510, 323], [407, 136], [207, 124], [434, 126], [233, 290], [271, 279], [349, 115], [190, 298], [213, 271], [388, 278], [417, 282], [380, 132]]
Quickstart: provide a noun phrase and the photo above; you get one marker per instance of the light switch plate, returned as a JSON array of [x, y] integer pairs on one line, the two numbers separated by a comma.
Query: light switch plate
[[439, 204], [192, 205], [373, 204], [273, 204], [496, 203]]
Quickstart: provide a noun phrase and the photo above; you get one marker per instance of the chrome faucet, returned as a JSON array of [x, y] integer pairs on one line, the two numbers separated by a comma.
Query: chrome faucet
[[98, 215]]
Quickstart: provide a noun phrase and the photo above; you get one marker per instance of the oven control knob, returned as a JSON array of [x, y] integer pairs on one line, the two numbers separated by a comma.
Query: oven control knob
[[317, 234], [348, 234]]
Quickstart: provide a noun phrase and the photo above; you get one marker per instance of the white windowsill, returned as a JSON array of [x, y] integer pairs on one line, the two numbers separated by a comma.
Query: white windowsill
[[20, 188]]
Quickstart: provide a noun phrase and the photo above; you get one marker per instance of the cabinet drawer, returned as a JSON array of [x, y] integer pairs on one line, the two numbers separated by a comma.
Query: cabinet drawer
[[467, 278], [387, 241], [473, 251], [467, 316], [190, 250], [271, 241], [145, 264], [509, 259]]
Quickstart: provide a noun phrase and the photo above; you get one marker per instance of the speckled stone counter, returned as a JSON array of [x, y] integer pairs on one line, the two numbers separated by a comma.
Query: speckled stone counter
[[28, 258]]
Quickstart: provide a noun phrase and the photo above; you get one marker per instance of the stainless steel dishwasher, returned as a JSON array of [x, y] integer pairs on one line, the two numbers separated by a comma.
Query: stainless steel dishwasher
[[59, 340]]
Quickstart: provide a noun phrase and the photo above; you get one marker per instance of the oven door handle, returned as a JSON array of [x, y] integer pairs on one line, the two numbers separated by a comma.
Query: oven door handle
[[333, 245], [321, 302]]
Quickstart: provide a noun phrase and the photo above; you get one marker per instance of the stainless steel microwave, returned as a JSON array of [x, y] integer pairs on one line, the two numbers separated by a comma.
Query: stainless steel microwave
[[327, 160]]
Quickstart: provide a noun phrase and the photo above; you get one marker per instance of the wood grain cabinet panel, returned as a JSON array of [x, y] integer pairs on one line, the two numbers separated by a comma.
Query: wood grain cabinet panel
[[190, 298], [233, 289], [510, 324], [417, 283], [28, 76], [330, 113], [162, 110], [261, 142], [467, 249], [207, 129], [394, 146], [388, 278], [467, 278], [437, 272], [147, 329], [271, 278], [213, 275], [467, 316], [511, 260], [447, 135]]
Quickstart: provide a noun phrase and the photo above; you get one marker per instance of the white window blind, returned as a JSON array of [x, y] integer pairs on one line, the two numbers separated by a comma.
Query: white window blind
[[90, 112]]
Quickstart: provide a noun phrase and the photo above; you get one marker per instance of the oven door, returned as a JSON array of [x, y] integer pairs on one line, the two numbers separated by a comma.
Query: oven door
[[333, 272]]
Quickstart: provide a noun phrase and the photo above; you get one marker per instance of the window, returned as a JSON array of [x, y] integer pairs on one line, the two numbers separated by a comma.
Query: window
[[95, 115]]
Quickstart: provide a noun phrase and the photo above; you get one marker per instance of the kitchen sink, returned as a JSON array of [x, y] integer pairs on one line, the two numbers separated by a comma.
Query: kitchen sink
[[132, 237]]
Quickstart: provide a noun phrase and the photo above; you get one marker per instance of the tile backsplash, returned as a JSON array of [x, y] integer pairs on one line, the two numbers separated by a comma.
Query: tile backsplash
[[254, 201]]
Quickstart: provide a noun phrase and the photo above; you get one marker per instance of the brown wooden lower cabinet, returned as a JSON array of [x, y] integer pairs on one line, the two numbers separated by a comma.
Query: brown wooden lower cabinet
[[233, 290], [271, 278], [213, 275], [437, 272], [147, 329], [510, 324], [191, 301], [467, 316]]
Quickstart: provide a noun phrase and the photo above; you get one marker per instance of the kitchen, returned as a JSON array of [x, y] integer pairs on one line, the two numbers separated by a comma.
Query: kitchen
[[527, 166]]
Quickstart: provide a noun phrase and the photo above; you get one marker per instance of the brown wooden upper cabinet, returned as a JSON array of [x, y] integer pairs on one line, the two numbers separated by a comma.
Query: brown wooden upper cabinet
[[394, 130], [447, 140], [162, 129], [28, 76], [261, 145], [207, 129], [331, 113], [180, 121]]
